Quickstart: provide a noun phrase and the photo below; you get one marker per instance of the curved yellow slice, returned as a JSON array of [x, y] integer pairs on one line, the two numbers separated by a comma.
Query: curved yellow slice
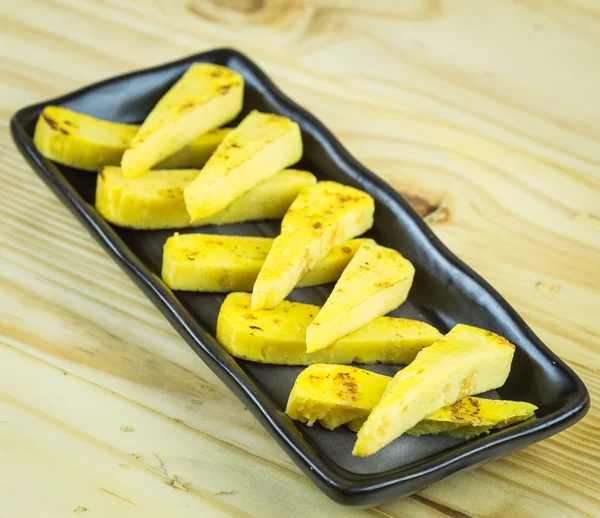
[[81, 141], [85, 142]]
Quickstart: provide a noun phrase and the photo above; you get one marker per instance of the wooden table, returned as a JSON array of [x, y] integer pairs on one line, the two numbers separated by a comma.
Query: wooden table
[[485, 115]]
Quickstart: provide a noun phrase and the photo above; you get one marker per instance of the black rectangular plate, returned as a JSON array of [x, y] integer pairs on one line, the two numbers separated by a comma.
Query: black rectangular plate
[[445, 292]]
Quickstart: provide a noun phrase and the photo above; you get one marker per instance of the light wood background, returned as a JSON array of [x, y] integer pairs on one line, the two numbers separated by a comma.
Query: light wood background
[[484, 114]]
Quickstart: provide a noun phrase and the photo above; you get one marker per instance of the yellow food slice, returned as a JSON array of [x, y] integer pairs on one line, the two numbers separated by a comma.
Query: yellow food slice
[[84, 142], [473, 416], [277, 336], [77, 140], [376, 281], [321, 217], [189, 261], [492, 414], [262, 145], [205, 97], [466, 361], [155, 200], [213, 263], [334, 394]]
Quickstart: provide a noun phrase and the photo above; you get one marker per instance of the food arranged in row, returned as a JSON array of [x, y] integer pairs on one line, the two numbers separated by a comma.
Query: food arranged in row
[[182, 169]]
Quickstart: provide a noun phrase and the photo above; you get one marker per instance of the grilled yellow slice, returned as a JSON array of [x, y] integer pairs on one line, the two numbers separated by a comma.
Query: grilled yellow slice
[[376, 281], [205, 97], [77, 140], [262, 145], [84, 142], [277, 336], [155, 200], [472, 416], [335, 395], [321, 217], [466, 361], [204, 262]]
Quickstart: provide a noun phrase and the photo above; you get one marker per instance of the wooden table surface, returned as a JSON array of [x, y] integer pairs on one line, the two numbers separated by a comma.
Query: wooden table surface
[[485, 115]]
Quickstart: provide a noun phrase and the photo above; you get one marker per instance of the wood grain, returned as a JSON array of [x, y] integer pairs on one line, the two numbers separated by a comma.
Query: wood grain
[[485, 115]]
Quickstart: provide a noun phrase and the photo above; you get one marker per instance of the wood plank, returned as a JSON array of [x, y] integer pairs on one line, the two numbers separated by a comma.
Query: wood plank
[[489, 129]]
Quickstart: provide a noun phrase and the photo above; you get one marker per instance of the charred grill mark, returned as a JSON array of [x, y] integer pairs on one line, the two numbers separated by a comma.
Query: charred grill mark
[[51, 122]]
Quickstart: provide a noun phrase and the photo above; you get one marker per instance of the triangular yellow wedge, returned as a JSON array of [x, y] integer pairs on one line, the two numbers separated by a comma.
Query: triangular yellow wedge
[[466, 361], [322, 216], [85, 142], [375, 282], [262, 145], [278, 336], [207, 96]]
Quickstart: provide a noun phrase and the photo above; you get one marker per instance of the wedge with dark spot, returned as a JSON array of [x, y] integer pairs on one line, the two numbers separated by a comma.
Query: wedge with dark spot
[[321, 217], [206, 97], [466, 361], [375, 282]]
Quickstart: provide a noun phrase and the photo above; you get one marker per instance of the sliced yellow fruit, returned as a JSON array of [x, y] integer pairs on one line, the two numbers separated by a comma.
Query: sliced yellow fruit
[[84, 142], [321, 217], [191, 262], [376, 281], [213, 263], [77, 140], [473, 416], [466, 361], [334, 394], [262, 145], [205, 97], [277, 336], [155, 200]]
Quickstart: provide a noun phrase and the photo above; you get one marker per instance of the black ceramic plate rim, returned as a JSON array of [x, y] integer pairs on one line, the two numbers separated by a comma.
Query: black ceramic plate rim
[[339, 484]]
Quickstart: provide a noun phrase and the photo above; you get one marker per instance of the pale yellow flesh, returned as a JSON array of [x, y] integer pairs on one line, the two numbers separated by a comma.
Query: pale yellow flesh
[[84, 142], [468, 421], [206, 97], [376, 281], [204, 262], [277, 336], [335, 395], [466, 361], [321, 217], [155, 200], [81, 141], [262, 145]]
